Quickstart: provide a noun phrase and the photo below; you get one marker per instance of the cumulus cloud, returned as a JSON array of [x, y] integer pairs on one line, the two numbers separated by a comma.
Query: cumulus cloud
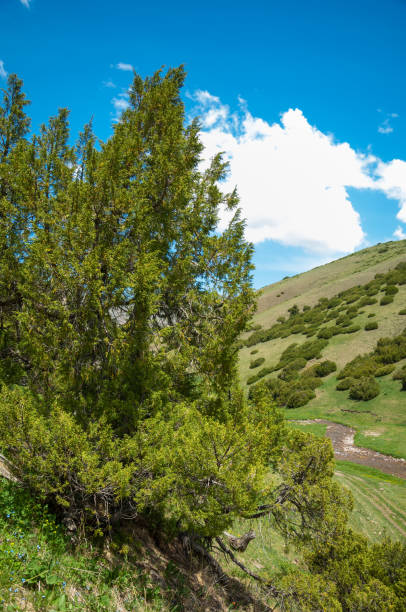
[[293, 179], [125, 67], [3, 73], [392, 181], [399, 233]]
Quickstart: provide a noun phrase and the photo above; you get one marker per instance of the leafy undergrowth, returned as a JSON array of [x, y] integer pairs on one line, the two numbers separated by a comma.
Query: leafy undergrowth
[[40, 568]]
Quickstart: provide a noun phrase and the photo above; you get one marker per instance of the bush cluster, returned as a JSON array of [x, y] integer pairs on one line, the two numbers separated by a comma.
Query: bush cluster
[[370, 326], [255, 363], [364, 388]]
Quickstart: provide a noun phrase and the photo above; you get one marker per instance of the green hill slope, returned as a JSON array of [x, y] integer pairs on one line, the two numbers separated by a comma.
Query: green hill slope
[[336, 313]]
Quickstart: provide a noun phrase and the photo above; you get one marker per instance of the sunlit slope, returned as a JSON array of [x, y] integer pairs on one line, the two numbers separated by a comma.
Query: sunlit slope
[[327, 280], [353, 307]]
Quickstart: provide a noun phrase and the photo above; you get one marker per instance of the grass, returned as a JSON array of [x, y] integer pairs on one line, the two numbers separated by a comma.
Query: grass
[[379, 501], [40, 569], [380, 423]]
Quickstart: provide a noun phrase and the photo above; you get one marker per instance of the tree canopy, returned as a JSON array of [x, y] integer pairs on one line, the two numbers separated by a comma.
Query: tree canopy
[[121, 305]]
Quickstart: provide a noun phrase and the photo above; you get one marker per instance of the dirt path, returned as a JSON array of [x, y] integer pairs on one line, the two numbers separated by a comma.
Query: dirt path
[[342, 438]]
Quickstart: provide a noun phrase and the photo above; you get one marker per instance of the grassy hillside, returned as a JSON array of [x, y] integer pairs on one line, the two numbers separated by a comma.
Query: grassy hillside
[[340, 311]]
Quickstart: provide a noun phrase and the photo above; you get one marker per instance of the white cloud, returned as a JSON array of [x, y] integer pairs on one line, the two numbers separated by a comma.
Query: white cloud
[[26, 3], [120, 104], [392, 181], [125, 67], [109, 84], [293, 179], [399, 233], [3, 73]]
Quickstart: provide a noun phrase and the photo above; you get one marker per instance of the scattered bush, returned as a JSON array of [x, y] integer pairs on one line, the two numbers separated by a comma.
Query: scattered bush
[[324, 368], [384, 370], [387, 299], [399, 374], [367, 301], [255, 363], [259, 375], [351, 330], [360, 366], [326, 333], [403, 311], [344, 384], [370, 326], [391, 290], [254, 352], [371, 314], [300, 398], [364, 389]]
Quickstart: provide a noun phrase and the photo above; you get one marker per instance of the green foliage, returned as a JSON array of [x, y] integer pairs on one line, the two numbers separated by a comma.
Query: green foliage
[[371, 326], [364, 388], [402, 312], [384, 370], [344, 384], [255, 363], [299, 397], [324, 368], [387, 299]]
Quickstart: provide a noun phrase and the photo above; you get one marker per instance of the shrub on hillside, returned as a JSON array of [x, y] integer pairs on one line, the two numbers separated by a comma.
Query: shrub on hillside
[[351, 330], [255, 363], [403, 311], [299, 398], [360, 366], [384, 370], [371, 314], [325, 368], [326, 333], [391, 290], [258, 375], [344, 384], [290, 371], [400, 373], [254, 352], [370, 326], [367, 301], [387, 299], [364, 389], [391, 350]]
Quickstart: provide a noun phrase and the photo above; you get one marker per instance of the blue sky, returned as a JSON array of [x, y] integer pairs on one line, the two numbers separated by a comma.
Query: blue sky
[[307, 99]]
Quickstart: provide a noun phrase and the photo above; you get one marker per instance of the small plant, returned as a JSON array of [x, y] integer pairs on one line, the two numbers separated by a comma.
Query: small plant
[[403, 311], [255, 363], [370, 326], [254, 352], [344, 384], [299, 398], [371, 314], [391, 290], [324, 368], [384, 370], [364, 389], [387, 299]]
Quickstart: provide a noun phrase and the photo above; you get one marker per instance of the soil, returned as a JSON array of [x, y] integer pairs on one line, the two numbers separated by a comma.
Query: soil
[[342, 438]]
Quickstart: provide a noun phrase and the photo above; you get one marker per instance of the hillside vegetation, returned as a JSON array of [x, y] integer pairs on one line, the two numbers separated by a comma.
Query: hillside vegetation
[[341, 357], [138, 465]]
